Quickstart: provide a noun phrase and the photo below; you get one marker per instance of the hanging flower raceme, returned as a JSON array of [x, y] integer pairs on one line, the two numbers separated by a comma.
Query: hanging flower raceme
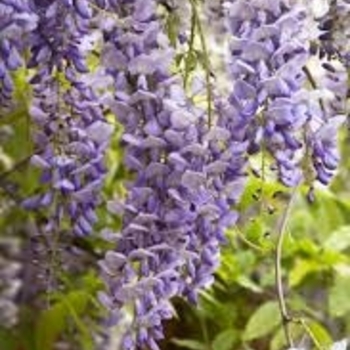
[[150, 262], [269, 51], [16, 19], [186, 177], [70, 132]]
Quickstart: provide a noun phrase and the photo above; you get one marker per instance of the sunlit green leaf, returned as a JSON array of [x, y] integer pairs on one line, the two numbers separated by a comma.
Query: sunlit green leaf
[[265, 319], [339, 304], [301, 269], [320, 334], [53, 321], [189, 344], [339, 240], [225, 340], [278, 341]]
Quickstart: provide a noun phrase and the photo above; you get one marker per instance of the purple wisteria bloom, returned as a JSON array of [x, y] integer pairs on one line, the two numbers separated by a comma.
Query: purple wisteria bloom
[[186, 178], [70, 133], [269, 50], [10, 282], [16, 19]]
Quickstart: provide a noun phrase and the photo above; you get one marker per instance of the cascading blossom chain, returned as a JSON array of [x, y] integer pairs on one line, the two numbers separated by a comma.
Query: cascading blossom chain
[[187, 177], [71, 133], [270, 50]]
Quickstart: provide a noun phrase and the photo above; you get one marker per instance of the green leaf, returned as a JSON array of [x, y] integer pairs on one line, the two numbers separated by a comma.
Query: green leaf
[[320, 334], [189, 344], [265, 319], [224, 340], [339, 296], [255, 230], [53, 321], [301, 269], [7, 341], [50, 325], [253, 188], [172, 26], [326, 213], [191, 61], [222, 314], [246, 282], [339, 239], [278, 341]]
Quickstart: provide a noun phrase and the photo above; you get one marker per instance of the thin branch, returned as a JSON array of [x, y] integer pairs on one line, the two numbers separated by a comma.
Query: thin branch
[[249, 243], [16, 167], [286, 318], [190, 46], [206, 61], [313, 84]]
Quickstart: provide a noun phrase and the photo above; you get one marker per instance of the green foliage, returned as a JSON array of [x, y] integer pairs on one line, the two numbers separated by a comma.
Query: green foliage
[[189, 344], [339, 305], [224, 340], [69, 314], [241, 310], [7, 340], [52, 322], [264, 320]]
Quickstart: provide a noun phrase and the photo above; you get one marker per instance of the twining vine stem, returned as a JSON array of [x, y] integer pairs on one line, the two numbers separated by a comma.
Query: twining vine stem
[[286, 318]]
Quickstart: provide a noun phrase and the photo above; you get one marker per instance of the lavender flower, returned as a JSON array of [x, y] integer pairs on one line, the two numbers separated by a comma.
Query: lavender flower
[[71, 133], [186, 177], [269, 50], [10, 282], [16, 20]]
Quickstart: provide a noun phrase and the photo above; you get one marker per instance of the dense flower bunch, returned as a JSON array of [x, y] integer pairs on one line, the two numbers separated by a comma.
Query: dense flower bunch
[[16, 19], [71, 133], [269, 52], [187, 176]]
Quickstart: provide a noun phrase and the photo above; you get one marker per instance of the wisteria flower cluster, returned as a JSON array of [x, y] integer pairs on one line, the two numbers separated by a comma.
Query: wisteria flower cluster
[[71, 133], [16, 20], [187, 163], [270, 50], [186, 178]]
